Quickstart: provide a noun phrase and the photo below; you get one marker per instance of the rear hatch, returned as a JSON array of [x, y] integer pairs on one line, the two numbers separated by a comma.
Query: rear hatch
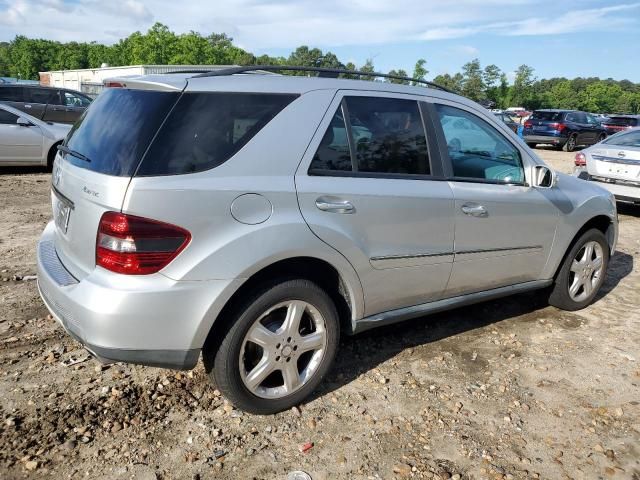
[[617, 158], [104, 149], [545, 123]]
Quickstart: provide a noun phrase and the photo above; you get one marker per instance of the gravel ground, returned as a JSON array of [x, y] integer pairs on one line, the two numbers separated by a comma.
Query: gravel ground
[[506, 389]]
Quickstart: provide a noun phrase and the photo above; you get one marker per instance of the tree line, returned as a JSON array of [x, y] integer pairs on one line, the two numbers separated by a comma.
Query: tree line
[[24, 57]]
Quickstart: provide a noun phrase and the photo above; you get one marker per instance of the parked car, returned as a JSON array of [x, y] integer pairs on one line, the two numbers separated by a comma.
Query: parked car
[[49, 104], [619, 123], [25, 140], [566, 129], [508, 120], [613, 164], [252, 219]]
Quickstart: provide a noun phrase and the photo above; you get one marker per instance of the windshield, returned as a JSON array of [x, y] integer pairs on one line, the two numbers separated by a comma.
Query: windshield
[[117, 128], [625, 139]]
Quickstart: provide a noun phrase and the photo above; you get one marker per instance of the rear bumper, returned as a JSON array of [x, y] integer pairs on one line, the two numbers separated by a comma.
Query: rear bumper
[[550, 139], [623, 192], [149, 320]]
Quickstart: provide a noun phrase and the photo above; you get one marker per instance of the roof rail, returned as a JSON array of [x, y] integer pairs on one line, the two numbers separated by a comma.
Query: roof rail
[[322, 72]]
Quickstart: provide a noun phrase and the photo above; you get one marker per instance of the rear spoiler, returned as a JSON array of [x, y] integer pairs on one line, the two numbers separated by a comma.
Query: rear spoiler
[[166, 83]]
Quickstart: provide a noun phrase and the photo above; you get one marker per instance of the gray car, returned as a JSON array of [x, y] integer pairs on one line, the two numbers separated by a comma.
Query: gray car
[[50, 104], [252, 218], [25, 140]]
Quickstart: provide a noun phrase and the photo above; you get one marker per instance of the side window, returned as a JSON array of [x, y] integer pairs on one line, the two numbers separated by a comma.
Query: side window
[[73, 100], [388, 136], [333, 151], [591, 120], [7, 118], [571, 117], [477, 150], [580, 117], [11, 94], [42, 95]]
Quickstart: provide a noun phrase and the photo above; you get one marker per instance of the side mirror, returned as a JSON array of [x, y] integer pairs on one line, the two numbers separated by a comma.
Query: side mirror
[[544, 177], [23, 122]]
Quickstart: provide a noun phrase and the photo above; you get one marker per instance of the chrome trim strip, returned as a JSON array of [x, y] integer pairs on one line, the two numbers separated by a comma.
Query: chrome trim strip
[[407, 313], [411, 260], [622, 161], [500, 251]]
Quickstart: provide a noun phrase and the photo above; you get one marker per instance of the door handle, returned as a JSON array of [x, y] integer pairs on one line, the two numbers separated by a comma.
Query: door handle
[[335, 205], [474, 210]]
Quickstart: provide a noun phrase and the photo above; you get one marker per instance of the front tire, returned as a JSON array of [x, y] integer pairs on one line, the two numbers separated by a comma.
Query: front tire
[[582, 272], [280, 344]]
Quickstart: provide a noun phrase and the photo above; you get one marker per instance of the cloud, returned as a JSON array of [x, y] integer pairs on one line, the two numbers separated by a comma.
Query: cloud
[[259, 25], [467, 50]]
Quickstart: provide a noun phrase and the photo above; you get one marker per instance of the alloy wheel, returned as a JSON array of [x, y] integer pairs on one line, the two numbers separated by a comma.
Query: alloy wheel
[[586, 271], [283, 349]]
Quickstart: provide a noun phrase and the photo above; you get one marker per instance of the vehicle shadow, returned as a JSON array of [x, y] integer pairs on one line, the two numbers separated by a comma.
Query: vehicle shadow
[[22, 170], [362, 353]]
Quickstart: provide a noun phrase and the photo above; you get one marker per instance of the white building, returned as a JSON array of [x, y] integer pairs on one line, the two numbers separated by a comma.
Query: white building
[[90, 80]]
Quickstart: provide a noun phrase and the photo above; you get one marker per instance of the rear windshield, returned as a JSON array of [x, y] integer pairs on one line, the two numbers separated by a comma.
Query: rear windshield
[[206, 129], [549, 116], [622, 121], [117, 128], [626, 139]]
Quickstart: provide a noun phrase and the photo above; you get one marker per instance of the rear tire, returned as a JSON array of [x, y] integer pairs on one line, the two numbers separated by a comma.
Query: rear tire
[[264, 363], [582, 273], [572, 143], [601, 137]]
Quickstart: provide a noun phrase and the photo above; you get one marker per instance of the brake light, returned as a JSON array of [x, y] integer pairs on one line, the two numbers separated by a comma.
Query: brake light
[[528, 124], [580, 160], [558, 126], [137, 246], [114, 85]]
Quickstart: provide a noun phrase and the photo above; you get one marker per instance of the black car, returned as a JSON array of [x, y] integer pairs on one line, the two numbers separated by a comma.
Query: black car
[[49, 104], [619, 123], [564, 129]]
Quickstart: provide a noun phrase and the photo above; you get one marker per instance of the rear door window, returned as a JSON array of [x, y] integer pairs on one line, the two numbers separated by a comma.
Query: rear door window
[[43, 95], [477, 150], [206, 129], [11, 94], [385, 136]]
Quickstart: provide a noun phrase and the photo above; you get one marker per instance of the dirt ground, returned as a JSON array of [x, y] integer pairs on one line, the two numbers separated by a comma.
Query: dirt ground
[[506, 389]]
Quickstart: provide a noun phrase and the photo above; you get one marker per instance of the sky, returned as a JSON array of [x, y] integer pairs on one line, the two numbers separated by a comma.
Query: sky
[[567, 38]]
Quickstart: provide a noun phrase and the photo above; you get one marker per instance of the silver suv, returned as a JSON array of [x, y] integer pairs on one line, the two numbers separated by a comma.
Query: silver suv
[[253, 217]]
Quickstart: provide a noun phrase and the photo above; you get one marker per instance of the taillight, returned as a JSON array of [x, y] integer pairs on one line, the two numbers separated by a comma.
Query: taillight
[[137, 246], [580, 160], [114, 85], [528, 124], [558, 126]]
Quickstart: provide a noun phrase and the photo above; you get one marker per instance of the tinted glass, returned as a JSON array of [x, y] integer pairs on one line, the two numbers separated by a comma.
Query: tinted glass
[[117, 128], [11, 94], [388, 135], [333, 151], [477, 150], [43, 95], [7, 118], [548, 116], [206, 129], [626, 139], [623, 121]]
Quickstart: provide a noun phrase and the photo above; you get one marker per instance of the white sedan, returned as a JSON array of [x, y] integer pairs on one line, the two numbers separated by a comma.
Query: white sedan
[[25, 140], [614, 163]]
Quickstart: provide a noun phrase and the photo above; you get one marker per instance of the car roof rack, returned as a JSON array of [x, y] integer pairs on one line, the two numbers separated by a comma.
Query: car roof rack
[[322, 72]]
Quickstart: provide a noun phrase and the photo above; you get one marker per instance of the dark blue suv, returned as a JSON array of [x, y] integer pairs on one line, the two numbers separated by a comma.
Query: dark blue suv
[[564, 129]]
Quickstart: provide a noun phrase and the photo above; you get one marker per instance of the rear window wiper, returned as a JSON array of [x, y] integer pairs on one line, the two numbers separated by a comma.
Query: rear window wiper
[[73, 153]]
